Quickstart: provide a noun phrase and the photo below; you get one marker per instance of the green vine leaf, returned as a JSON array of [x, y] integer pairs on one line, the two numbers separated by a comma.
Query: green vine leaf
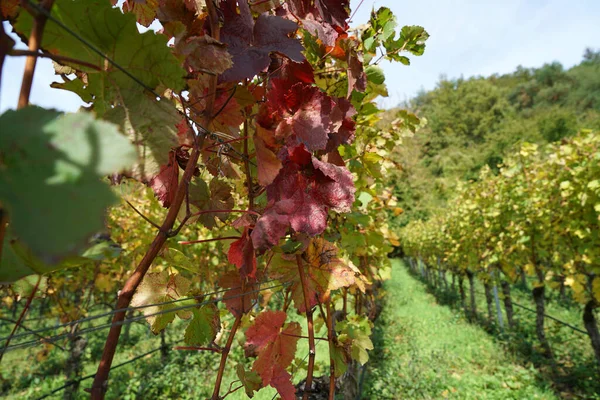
[[115, 34], [205, 325], [354, 335], [51, 165]]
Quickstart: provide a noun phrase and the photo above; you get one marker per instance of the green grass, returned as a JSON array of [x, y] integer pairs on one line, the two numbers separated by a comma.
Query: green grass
[[428, 351], [574, 373]]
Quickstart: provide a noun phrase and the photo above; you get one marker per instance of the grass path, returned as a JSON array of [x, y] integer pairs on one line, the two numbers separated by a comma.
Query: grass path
[[427, 351]]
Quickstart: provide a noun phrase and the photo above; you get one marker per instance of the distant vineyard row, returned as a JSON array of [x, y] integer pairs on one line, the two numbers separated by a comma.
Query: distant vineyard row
[[539, 217]]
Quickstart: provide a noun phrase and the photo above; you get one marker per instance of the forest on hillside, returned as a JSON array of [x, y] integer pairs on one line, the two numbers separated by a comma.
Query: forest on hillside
[[470, 123]]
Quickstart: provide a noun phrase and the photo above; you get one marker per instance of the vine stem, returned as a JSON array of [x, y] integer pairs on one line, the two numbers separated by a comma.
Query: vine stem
[[100, 384], [196, 348], [311, 330], [225, 351], [35, 41], [224, 211], [331, 347], [209, 240], [18, 323]]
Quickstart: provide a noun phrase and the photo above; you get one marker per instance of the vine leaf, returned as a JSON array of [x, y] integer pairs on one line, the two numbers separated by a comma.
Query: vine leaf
[[115, 34], [145, 12], [214, 196], [151, 125], [204, 53], [236, 300], [51, 165], [165, 183], [300, 197], [354, 337], [205, 325], [251, 43], [336, 185], [9, 8], [115, 96], [325, 18], [268, 163], [275, 344], [160, 287], [24, 287], [241, 254], [251, 380], [306, 115], [324, 271]]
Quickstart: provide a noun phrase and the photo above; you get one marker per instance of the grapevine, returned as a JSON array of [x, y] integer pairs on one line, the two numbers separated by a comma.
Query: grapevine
[[538, 217], [232, 155]]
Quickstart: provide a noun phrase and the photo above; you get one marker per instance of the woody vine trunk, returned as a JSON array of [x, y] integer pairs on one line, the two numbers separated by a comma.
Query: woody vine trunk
[[508, 306], [591, 325]]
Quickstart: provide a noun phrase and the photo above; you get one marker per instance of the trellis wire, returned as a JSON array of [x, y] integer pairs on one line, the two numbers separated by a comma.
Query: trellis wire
[[572, 327], [576, 329], [134, 319], [79, 380], [106, 314]]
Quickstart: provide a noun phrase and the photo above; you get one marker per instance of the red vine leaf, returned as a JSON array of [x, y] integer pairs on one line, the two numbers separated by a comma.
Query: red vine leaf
[[271, 227], [282, 381], [184, 133], [236, 300], [275, 345], [241, 254], [303, 114], [335, 12], [324, 19], [309, 215], [294, 72], [268, 163], [335, 185], [245, 220], [165, 183], [325, 32], [251, 44], [300, 197]]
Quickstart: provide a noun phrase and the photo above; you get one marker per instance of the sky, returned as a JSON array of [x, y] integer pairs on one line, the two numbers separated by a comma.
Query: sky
[[467, 38]]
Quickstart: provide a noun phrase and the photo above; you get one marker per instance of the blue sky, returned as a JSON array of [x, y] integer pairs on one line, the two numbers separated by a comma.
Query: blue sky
[[468, 38]]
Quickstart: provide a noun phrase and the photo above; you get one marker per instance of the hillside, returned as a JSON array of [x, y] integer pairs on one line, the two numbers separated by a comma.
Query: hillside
[[478, 121]]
